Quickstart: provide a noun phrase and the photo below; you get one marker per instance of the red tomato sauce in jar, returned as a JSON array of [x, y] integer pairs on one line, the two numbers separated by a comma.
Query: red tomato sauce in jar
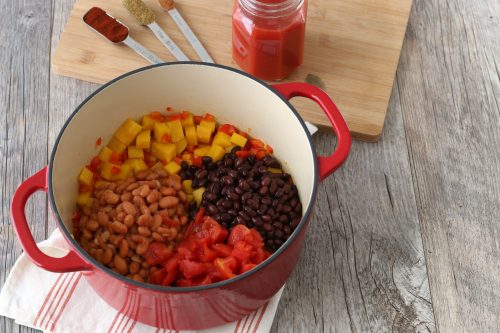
[[268, 36]]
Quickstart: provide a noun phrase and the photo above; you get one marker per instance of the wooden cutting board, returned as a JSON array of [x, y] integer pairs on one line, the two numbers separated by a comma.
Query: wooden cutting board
[[352, 51]]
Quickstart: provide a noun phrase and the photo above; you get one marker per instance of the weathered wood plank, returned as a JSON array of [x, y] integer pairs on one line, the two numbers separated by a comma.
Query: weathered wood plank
[[449, 90], [24, 79], [363, 268]]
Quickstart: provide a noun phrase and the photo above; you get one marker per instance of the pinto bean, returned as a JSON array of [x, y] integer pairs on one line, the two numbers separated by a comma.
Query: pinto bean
[[119, 227]]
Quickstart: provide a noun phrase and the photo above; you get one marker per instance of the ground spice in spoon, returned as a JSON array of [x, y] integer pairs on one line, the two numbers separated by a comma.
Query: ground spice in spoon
[[106, 25], [167, 4], [140, 10]]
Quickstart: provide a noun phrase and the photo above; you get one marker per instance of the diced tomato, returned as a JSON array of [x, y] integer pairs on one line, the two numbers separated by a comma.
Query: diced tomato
[[185, 114], [260, 155], [208, 116], [169, 109], [171, 222], [199, 215], [98, 141], [115, 158], [256, 143], [157, 116], [260, 255], [228, 129], [157, 276], [174, 117], [197, 161], [191, 268], [115, 170], [169, 278], [157, 253], [254, 238], [206, 254], [247, 267], [207, 280], [94, 164], [243, 134], [269, 149], [184, 283], [222, 250], [197, 119], [165, 138], [238, 233], [172, 264], [178, 160], [190, 148], [214, 230], [242, 251], [225, 266], [242, 153]]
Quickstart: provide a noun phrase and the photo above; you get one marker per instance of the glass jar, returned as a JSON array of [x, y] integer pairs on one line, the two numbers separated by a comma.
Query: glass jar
[[268, 36]]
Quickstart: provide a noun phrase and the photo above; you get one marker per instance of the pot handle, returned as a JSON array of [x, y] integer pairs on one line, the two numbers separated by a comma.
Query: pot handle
[[71, 262], [327, 165]]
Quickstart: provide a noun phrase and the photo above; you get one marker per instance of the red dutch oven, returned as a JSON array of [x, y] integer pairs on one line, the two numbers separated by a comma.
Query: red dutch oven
[[232, 96]]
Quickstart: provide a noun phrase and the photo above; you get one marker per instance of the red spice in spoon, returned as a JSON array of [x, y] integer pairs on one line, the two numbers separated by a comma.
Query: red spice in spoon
[[106, 25]]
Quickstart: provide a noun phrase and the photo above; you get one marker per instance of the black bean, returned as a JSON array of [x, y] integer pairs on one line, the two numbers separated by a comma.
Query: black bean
[[235, 149], [206, 160], [270, 243], [227, 180], [236, 205], [267, 227], [228, 162], [201, 174], [262, 209], [227, 204], [239, 220], [279, 234], [239, 190], [218, 217], [246, 196], [226, 217], [283, 218], [278, 242], [184, 165], [264, 190], [232, 212], [298, 208], [257, 221], [244, 215], [249, 211], [294, 223], [286, 208], [212, 209], [267, 218], [287, 230], [266, 201]]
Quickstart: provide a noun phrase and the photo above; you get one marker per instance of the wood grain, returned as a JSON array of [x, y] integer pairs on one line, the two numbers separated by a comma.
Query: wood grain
[[352, 51], [425, 196]]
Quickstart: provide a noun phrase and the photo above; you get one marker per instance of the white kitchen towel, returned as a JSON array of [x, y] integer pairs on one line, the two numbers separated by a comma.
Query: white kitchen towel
[[54, 302]]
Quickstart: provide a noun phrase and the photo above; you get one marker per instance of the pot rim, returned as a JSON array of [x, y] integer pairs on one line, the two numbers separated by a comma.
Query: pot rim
[[158, 288]]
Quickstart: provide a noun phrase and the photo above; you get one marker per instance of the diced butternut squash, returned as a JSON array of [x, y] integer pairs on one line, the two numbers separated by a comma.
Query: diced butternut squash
[[216, 152], [274, 170], [203, 134], [189, 197], [173, 168], [222, 139], [187, 185], [191, 137], [238, 140], [198, 195], [134, 152], [105, 154], [148, 123], [86, 176], [127, 132], [188, 120], [208, 123], [83, 199], [162, 132], [163, 151], [116, 145], [136, 164], [180, 146], [125, 172], [109, 171], [143, 140], [202, 150], [176, 130]]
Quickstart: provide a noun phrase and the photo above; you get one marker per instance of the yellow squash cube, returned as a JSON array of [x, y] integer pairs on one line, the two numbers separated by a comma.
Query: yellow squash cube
[[202, 150], [238, 140], [187, 185], [189, 197], [105, 154], [136, 164], [110, 171], [208, 123], [274, 170], [86, 176], [125, 172], [160, 130], [127, 132], [172, 168], [143, 140], [188, 121], [148, 122], [163, 151], [203, 134], [222, 139], [198, 195], [180, 145], [176, 130], [116, 145], [191, 137], [83, 199], [216, 152], [134, 152]]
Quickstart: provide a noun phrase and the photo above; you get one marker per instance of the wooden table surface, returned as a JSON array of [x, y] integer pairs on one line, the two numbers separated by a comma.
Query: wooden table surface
[[406, 234]]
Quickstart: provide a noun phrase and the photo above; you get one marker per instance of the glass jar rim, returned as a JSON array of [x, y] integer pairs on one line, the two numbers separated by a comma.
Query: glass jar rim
[[271, 10]]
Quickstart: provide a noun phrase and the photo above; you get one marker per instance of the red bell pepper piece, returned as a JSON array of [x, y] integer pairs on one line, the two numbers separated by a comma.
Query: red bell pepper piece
[[228, 129]]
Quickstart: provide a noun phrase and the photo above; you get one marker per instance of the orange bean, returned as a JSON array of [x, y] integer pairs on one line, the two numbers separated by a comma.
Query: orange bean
[[129, 208], [142, 248], [169, 202], [107, 256], [102, 218], [145, 220], [119, 227], [129, 220], [134, 267], [92, 225], [120, 265], [144, 231], [110, 197], [123, 248]]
